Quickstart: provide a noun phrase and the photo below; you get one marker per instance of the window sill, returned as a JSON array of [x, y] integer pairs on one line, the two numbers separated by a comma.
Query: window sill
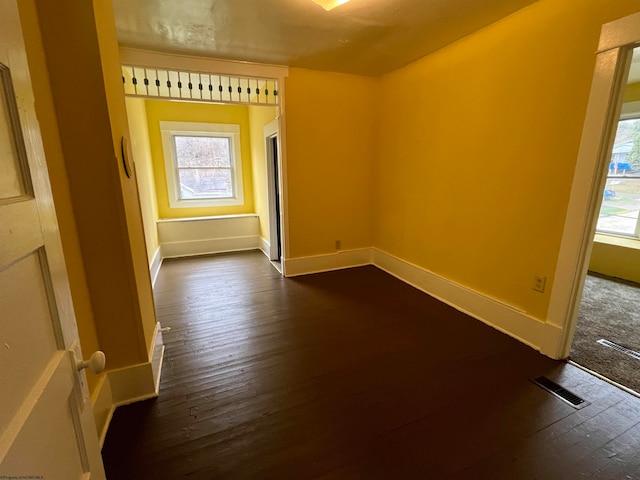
[[617, 241], [211, 217]]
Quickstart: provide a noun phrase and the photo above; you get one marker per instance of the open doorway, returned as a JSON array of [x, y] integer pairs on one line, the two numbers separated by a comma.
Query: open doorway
[[170, 97], [607, 331], [274, 182], [186, 226]]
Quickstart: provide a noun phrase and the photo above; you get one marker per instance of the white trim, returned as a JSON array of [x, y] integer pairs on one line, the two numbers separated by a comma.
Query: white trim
[[603, 112], [265, 247], [126, 385], [499, 315], [202, 236], [132, 384], [284, 186], [210, 246], [270, 131], [504, 317], [156, 356], [620, 33], [154, 266], [324, 263], [145, 58], [169, 130], [138, 382], [121, 387], [103, 407], [204, 219]]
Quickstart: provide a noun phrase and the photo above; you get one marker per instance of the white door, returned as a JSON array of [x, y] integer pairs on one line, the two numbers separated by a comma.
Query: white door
[[46, 421]]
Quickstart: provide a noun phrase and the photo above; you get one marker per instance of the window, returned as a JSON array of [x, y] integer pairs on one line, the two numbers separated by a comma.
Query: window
[[203, 164], [621, 197]]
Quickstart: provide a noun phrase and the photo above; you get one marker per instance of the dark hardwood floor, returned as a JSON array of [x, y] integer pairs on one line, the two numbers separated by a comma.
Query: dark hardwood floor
[[354, 375]]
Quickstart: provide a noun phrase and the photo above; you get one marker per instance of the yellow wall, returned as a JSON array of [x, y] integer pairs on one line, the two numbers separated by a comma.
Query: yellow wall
[[330, 150], [59, 182], [632, 92], [478, 143], [91, 119], [616, 257], [160, 110], [141, 152], [258, 118], [144, 316], [461, 162]]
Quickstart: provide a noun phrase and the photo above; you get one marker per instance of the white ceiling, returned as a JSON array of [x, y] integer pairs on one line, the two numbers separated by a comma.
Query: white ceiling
[[366, 37]]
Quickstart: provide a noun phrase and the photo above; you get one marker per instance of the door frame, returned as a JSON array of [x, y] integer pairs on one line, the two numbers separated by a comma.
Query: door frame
[[274, 188], [132, 56], [617, 40]]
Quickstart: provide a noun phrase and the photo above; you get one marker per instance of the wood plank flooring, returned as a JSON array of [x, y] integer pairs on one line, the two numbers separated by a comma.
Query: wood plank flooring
[[354, 375]]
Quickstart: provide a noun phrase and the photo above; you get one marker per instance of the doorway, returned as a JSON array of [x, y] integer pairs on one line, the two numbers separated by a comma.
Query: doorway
[[607, 336], [272, 149], [188, 81], [592, 192], [181, 229]]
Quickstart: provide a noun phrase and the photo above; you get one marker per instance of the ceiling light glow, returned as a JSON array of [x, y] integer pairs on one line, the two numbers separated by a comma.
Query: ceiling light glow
[[330, 4]]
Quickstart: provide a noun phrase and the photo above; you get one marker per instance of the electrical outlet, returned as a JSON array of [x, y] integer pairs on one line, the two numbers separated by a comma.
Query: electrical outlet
[[338, 244], [539, 283]]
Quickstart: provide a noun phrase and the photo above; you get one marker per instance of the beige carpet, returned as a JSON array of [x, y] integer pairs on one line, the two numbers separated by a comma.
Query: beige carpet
[[609, 310]]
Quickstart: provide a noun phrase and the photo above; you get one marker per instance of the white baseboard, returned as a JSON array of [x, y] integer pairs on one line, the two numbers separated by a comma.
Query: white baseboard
[[499, 315], [103, 408], [264, 246], [551, 341], [156, 263], [324, 263], [123, 386], [209, 246], [508, 319], [133, 383], [157, 356], [140, 382]]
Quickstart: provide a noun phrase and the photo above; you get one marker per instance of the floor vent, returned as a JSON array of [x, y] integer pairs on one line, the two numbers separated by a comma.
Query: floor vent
[[560, 392], [620, 348]]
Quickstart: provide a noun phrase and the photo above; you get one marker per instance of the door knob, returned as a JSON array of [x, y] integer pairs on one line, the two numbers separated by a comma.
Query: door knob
[[95, 363]]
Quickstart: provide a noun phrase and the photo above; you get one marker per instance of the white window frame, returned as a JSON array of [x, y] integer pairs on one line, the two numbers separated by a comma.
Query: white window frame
[[614, 233], [169, 130]]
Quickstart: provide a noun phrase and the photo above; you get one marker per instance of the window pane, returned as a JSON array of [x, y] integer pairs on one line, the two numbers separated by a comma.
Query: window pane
[[625, 156], [205, 183], [620, 206], [202, 151]]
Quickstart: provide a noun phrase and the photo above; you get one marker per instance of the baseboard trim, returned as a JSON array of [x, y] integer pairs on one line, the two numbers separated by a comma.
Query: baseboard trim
[[506, 318], [324, 263], [209, 246], [499, 315], [130, 384], [154, 266], [140, 382], [157, 356], [264, 246], [551, 341], [103, 408]]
